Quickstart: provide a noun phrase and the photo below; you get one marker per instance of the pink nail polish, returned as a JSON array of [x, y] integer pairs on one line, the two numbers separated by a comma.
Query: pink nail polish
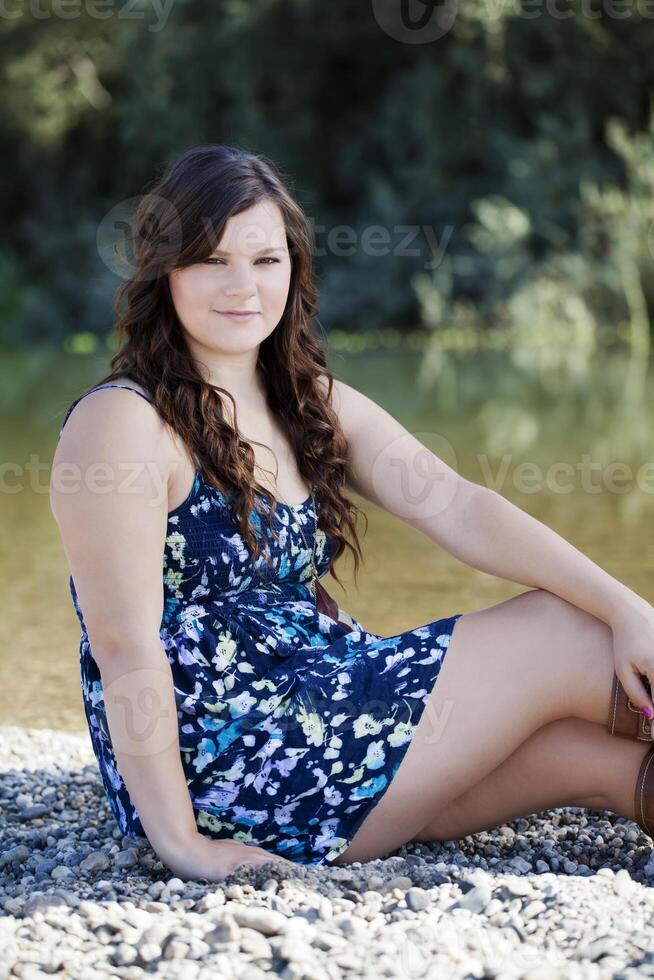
[[647, 712]]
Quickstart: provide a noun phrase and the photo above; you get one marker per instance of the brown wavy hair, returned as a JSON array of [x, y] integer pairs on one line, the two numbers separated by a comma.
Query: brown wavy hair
[[179, 221]]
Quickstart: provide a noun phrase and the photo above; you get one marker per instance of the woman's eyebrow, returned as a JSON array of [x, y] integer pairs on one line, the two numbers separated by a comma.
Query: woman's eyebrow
[[272, 248]]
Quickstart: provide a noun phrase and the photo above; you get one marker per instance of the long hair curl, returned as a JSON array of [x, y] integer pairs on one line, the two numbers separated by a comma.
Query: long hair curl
[[179, 221]]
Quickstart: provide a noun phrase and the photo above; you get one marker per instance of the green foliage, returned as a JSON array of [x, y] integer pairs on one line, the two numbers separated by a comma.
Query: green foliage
[[554, 311], [516, 147]]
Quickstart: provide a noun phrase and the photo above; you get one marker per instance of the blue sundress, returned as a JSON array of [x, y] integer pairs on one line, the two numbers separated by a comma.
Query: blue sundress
[[290, 728]]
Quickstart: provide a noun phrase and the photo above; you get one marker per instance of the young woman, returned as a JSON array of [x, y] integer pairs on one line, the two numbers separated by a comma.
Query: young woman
[[200, 491]]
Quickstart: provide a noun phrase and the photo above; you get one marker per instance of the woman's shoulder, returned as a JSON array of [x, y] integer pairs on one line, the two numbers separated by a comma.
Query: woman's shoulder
[[125, 383], [177, 451], [102, 432], [103, 401]]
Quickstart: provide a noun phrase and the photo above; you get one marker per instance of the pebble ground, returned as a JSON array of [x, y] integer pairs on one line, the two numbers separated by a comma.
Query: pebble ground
[[568, 893]]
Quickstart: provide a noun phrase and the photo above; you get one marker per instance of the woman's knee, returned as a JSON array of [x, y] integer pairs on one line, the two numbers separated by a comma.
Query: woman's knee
[[579, 650], [559, 614], [560, 650], [547, 607], [541, 621]]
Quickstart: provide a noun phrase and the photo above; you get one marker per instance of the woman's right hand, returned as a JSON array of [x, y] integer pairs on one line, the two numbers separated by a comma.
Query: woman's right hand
[[204, 857]]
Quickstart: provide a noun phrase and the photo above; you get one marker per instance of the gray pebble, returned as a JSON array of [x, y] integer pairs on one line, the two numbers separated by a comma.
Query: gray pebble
[[126, 859], [533, 909], [255, 944], [648, 869], [594, 950], [476, 899], [416, 899], [34, 810], [61, 873], [124, 955], [41, 903], [95, 861], [15, 855], [225, 931], [524, 867], [262, 919], [149, 952], [176, 949]]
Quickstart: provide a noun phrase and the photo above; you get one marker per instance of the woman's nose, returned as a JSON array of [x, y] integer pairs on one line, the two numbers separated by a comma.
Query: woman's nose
[[240, 284]]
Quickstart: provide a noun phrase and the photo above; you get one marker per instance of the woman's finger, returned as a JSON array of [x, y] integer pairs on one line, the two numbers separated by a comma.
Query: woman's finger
[[254, 863], [637, 692], [268, 855]]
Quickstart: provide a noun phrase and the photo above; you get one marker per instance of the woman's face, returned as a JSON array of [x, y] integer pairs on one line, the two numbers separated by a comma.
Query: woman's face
[[250, 269]]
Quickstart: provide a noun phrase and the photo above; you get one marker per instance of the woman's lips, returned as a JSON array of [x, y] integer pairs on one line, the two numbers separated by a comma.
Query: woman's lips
[[237, 316]]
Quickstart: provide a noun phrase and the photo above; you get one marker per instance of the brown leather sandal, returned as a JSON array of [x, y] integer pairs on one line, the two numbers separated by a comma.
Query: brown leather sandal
[[625, 719], [644, 796]]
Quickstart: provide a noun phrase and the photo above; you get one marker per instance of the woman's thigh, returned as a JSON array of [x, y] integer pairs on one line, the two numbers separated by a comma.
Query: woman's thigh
[[509, 670]]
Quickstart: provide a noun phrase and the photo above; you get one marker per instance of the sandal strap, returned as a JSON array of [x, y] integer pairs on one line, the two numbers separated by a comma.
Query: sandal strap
[[644, 795], [625, 719]]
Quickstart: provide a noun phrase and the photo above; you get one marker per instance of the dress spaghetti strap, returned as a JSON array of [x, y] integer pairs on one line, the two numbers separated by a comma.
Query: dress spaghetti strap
[[99, 388]]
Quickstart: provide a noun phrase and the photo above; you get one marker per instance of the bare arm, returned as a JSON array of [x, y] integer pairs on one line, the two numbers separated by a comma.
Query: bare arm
[[390, 467], [113, 535], [396, 471]]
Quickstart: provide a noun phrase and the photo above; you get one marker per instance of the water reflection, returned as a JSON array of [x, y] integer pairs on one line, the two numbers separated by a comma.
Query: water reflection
[[585, 439]]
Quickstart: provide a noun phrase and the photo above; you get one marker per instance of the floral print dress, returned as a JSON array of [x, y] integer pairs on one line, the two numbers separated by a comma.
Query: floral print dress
[[290, 728]]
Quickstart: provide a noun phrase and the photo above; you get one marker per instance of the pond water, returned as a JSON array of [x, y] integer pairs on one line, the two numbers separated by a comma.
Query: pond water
[[576, 452]]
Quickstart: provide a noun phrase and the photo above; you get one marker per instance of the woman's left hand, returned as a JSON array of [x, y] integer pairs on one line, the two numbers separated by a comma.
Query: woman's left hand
[[633, 647]]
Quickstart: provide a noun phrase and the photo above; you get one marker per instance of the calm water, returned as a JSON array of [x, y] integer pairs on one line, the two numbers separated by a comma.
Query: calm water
[[483, 415]]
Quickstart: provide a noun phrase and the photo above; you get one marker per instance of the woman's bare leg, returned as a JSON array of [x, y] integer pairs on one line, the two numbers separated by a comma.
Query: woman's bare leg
[[569, 762], [509, 670]]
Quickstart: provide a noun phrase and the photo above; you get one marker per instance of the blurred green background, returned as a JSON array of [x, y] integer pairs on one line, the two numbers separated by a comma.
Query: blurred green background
[[483, 210]]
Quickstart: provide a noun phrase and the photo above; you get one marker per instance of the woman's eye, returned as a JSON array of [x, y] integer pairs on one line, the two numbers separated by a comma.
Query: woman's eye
[[266, 258]]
